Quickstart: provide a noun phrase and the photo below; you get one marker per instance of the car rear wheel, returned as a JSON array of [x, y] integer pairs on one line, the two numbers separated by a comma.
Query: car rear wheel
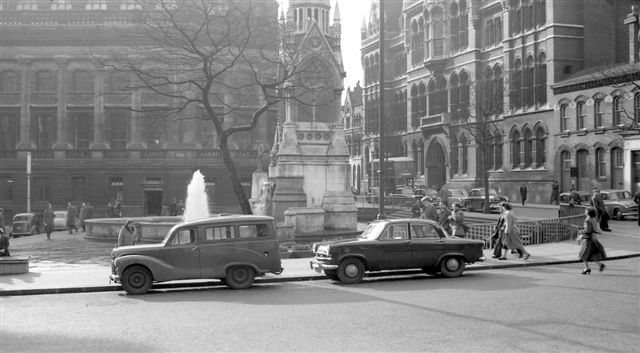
[[452, 266], [240, 277], [350, 271], [332, 274], [136, 280]]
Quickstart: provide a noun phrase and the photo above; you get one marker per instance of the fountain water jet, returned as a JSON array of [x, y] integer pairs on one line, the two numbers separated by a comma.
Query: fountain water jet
[[197, 203]]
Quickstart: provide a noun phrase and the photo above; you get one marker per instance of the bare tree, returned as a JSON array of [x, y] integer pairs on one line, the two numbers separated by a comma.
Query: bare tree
[[213, 60]]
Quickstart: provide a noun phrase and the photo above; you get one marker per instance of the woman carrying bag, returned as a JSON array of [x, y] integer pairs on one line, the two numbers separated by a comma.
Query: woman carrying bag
[[591, 249]]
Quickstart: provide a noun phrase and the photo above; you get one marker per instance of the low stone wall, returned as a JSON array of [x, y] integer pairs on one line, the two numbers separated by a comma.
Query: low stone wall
[[152, 229], [11, 265]]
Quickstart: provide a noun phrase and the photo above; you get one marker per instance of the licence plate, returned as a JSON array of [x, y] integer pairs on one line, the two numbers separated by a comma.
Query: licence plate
[[315, 267]]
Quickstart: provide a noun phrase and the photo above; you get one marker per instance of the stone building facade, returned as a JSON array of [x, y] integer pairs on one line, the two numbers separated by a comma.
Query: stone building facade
[[467, 84], [87, 138]]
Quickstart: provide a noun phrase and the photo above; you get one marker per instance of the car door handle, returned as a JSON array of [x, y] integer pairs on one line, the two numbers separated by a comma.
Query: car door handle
[[194, 249]]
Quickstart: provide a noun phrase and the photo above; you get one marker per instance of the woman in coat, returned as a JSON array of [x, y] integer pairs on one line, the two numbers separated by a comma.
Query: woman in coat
[[591, 249], [457, 221], [511, 234], [128, 234]]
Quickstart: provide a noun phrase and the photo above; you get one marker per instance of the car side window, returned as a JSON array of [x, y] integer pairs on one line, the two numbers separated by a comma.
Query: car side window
[[398, 232], [248, 231], [220, 233], [184, 236], [424, 231]]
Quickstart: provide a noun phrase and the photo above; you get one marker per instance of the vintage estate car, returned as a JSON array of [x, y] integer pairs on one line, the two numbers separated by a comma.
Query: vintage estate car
[[394, 244], [583, 196], [232, 248], [619, 203], [475, 200], [60, 220], [26, 224]]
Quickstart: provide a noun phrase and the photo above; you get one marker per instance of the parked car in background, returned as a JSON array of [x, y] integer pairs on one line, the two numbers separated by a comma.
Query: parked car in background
[[60, 220], [456, 195], [394, 244], [232, 248], [584, 198], [619, 203], [476, 200], [26, 224]]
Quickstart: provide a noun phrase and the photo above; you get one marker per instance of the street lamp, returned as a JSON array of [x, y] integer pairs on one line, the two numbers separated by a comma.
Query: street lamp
[[28, 181]]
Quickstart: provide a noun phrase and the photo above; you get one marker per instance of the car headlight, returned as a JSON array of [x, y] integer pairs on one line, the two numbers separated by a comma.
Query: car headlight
[[323, 249]]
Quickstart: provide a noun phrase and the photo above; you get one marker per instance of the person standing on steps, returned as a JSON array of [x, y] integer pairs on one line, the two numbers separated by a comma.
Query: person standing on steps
[[591, 249], [523, 193]]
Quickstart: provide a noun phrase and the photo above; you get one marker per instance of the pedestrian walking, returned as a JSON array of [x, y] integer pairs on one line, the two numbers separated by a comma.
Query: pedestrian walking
[[416, 209], [636, 198], [590, 248], [72, 216], [164, 211], [173, 207], [444, 195], [598, 204], [128, 234], [511, 233], [496, 238], [4, 244], [82, 214], [443, 217], [555, 193], [430, 210], [523, 193], [2, 219], [458, 228], [48, 217]]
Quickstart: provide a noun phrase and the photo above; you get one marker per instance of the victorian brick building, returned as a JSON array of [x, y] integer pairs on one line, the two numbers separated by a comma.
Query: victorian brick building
[[468, 85]]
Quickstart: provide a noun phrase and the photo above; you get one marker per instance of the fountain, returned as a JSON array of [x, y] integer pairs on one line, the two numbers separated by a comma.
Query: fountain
[[153, 229]]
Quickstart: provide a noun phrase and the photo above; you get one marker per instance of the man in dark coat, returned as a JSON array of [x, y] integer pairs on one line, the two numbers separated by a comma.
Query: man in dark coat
[[636, 198], [523, 194], [555, 193], [598, 204]]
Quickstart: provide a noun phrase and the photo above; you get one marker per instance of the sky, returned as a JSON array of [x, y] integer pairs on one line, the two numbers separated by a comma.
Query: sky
[[351, 14]]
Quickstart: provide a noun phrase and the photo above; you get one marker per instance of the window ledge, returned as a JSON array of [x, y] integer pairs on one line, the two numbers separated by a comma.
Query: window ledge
[[581, 132], [599, 130]]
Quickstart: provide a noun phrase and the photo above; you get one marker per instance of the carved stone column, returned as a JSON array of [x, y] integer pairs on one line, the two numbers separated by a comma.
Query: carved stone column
[[98, 111], [25, 103], [62, 122]]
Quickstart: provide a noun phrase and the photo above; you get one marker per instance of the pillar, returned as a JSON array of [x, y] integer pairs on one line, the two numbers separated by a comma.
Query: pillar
[[98, 112], [25, 103], [62, 122]]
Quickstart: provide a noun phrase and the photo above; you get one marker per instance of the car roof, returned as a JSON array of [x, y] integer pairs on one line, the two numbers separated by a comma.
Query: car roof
[[25, 214], [613, 190], [223, 218], [405, 220]]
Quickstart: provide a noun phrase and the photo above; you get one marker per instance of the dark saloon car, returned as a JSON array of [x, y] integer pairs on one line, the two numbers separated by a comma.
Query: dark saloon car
[[475, 200], [395, 244], [232, 248]]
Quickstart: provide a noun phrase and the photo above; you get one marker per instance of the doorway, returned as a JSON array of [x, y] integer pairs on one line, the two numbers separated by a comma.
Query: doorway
[[152, 202], [436, 173]]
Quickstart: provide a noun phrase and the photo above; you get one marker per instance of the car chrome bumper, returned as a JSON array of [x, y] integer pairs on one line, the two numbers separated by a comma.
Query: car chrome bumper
[[481, 258], [319, 266], [114, 278]]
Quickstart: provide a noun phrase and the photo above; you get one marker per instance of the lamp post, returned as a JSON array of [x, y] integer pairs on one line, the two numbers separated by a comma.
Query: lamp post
[[28, 181]]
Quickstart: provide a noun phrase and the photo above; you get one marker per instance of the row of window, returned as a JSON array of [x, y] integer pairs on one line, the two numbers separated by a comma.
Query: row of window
[[529, 86], [34, 5], [320, 16], [618, 112], [528, 14], [78, 81], [615, 157], [428, 32]]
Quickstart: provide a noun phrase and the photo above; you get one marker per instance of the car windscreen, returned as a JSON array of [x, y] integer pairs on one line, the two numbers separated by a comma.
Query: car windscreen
[[372, 231], [620, 195], [20, 219]]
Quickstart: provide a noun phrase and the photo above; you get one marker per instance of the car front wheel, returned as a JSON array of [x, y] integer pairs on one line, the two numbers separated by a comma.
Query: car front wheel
[[136, 280], [452, 266], [350, 271], [240, 277], [617, 213]]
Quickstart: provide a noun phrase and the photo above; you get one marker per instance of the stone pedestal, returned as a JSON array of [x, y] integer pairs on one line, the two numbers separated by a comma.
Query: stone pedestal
[[14, 265], [305, 220], [257, 179], [289, 193], [340, 210]]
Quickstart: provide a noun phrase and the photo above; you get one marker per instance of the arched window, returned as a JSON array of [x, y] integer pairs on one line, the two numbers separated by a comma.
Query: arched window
[[516, 86], [421, 158], [541, 94], [464, 95], [580, 115], [597, 113], [81, 82], [541, 11], [422, 101], [416, 157], [490, 153], [463, 37], [442, 103], [515, 150], [489, 33], [45, 81], [601, 163], [498, 141], [427, 38], [417, 42], [454, 27], [528, 148], [367, 71], [464, 144], [415, 106], [618, 110], [617, 167], [454, 155], [376, 68], [498, 30], [636, 109], [488, 99], [528, 83], [541, 150], [564, 119], [455, 96], [432, 97], [499, 89], [437, 17]]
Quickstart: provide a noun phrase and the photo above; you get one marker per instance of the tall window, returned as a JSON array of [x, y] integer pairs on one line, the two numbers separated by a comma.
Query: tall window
[[515, 150], [601, 163], [516, 85], [6, 187], [464, 154], [564, 119], [636, 108], [528, 83], [415, 107], [118, 128], [454, 155], [498, 150], [9, 82], [45, 82], [437, 17], [81, 129], [464, 95], [454, 27], [81, 82], [617, 158], [618, 110], [499, 89], [43, 128], [417, 42], [41, 189], [489, 97], [422, 100], [597, 113], [454, 95], [9, 129], [463, 37], [528, 148], [541, 11], [541, 138], [541, 93], [580, 116]]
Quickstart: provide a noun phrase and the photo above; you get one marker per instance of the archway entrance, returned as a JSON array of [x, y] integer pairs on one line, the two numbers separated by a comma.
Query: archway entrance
[[436, 172]]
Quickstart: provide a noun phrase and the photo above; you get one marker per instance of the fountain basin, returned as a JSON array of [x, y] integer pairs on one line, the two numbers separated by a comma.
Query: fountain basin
[[151, 229]]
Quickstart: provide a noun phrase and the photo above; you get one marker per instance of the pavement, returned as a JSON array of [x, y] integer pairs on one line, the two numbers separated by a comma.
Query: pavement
[[69, 263]]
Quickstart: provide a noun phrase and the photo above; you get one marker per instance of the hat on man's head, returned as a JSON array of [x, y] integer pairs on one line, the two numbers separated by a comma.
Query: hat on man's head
[[596, 190]]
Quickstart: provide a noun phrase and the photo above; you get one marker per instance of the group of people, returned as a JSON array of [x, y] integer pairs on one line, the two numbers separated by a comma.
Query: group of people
[[75, 219], [174, 208], [452, 221], [506, 236]]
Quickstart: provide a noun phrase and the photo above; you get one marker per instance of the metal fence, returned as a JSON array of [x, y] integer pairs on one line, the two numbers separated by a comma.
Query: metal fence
[[535, 231]]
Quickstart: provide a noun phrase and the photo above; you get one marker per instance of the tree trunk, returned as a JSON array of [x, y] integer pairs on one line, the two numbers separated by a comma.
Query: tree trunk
[[245, 207]]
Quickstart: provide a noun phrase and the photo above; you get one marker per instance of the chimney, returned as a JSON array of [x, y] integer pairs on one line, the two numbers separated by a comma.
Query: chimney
[[632, 20]]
